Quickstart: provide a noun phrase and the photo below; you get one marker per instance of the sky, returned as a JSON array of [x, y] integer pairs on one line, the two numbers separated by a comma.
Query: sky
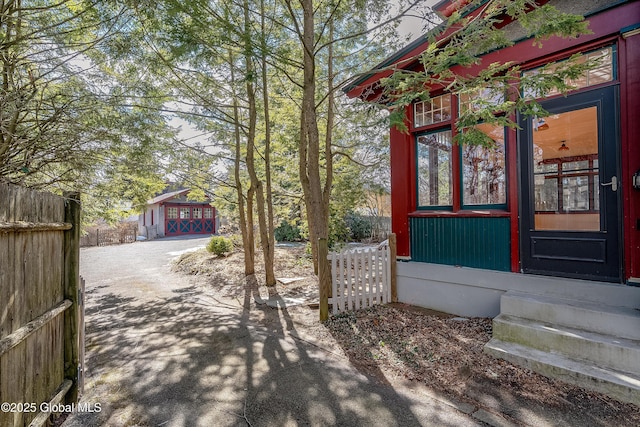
[[412, 27]]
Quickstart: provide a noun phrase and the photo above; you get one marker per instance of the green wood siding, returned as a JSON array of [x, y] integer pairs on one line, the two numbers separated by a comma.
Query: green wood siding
[[470, 242]]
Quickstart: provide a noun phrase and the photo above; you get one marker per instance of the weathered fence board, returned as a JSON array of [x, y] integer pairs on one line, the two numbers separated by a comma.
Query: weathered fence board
[[71, 288], [81, 334], [34, 305], [10, 341], [361, 277], [58, 397]]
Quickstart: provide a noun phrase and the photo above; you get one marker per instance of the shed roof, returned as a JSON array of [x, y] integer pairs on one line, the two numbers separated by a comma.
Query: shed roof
[[167, 196]]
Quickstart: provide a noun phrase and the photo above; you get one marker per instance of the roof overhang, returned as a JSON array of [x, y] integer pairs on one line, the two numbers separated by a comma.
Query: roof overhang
[[167, 196], [367, 86]]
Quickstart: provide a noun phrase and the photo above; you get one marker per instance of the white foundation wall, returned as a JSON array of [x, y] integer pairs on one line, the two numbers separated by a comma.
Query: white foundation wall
[[472, 292]]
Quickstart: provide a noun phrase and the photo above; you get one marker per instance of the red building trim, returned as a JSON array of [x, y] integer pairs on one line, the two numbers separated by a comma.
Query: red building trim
[[489, 213], [512, 197], [629, 52], [403, 187]]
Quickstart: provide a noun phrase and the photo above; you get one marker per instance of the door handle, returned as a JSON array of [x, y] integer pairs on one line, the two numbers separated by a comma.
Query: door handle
[[613, 183]]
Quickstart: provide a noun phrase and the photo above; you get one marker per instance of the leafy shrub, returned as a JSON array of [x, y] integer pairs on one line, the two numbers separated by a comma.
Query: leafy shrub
[[348, 227], [220, 245], [287, 232], [359, 226]]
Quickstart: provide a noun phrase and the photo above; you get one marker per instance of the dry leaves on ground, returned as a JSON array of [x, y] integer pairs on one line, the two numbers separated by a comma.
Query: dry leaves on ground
[[445, 353]]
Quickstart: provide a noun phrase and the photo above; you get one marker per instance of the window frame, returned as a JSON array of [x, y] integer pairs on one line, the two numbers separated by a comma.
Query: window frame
[[172, 212], [492, 206], [457, 205], [614, 73], [449, 207], [452, 112]]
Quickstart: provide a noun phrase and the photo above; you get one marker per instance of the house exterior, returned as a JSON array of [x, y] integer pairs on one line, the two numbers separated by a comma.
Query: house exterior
[[553, 212], [171, 214], [555, 198]]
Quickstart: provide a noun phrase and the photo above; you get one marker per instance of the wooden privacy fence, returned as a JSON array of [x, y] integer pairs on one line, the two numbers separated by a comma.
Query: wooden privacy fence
[[40, 314], [357, 278]]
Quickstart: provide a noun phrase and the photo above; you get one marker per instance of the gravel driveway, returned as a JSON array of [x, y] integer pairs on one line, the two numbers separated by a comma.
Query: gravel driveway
[[161, 350]]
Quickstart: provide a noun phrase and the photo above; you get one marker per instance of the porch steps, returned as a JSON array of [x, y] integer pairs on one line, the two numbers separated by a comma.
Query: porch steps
[[586, 343], [623, 322]]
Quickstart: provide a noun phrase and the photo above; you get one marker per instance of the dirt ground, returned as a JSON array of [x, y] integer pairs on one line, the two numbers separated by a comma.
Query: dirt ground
[[402, 343]]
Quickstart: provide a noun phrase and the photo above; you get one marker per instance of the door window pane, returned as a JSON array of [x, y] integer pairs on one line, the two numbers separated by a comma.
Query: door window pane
[[172, 213], [483, 170], [184, 213], [565, 172], [434, 169], [208, 213], [197, 213]]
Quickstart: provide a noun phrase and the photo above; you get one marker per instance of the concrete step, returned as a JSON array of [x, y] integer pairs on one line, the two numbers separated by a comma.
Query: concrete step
[[620, 385], [598, 349], [621, 322], [584, 290]]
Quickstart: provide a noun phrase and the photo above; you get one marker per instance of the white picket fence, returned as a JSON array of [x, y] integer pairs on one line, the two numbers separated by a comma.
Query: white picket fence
[[360, 278]]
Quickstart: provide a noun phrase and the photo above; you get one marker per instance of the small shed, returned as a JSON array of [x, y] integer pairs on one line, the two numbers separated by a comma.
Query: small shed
[[172, 214]]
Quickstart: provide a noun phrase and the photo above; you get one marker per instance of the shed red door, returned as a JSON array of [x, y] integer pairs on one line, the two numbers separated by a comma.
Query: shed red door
[[181, 219]]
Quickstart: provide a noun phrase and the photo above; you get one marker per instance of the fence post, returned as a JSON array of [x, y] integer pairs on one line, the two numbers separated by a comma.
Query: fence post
[[324, 278], [71, 286], [394, 267]]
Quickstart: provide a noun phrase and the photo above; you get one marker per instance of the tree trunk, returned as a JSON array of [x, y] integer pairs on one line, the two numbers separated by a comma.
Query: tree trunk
[[310, 137], [256, 184], [316, 192], [245, 218], [269, 254]]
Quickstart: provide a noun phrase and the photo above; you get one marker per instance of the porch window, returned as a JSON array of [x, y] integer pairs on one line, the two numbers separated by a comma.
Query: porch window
[[601, 72], [479, 99], [483, 170], [436, 110], [434, 169]]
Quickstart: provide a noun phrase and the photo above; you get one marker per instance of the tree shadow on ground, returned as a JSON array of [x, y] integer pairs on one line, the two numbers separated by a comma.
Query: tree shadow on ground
[[190, 360]]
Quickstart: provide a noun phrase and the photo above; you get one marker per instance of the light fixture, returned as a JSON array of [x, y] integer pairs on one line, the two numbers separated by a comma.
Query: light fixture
[[563, 147], [541, 124]]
